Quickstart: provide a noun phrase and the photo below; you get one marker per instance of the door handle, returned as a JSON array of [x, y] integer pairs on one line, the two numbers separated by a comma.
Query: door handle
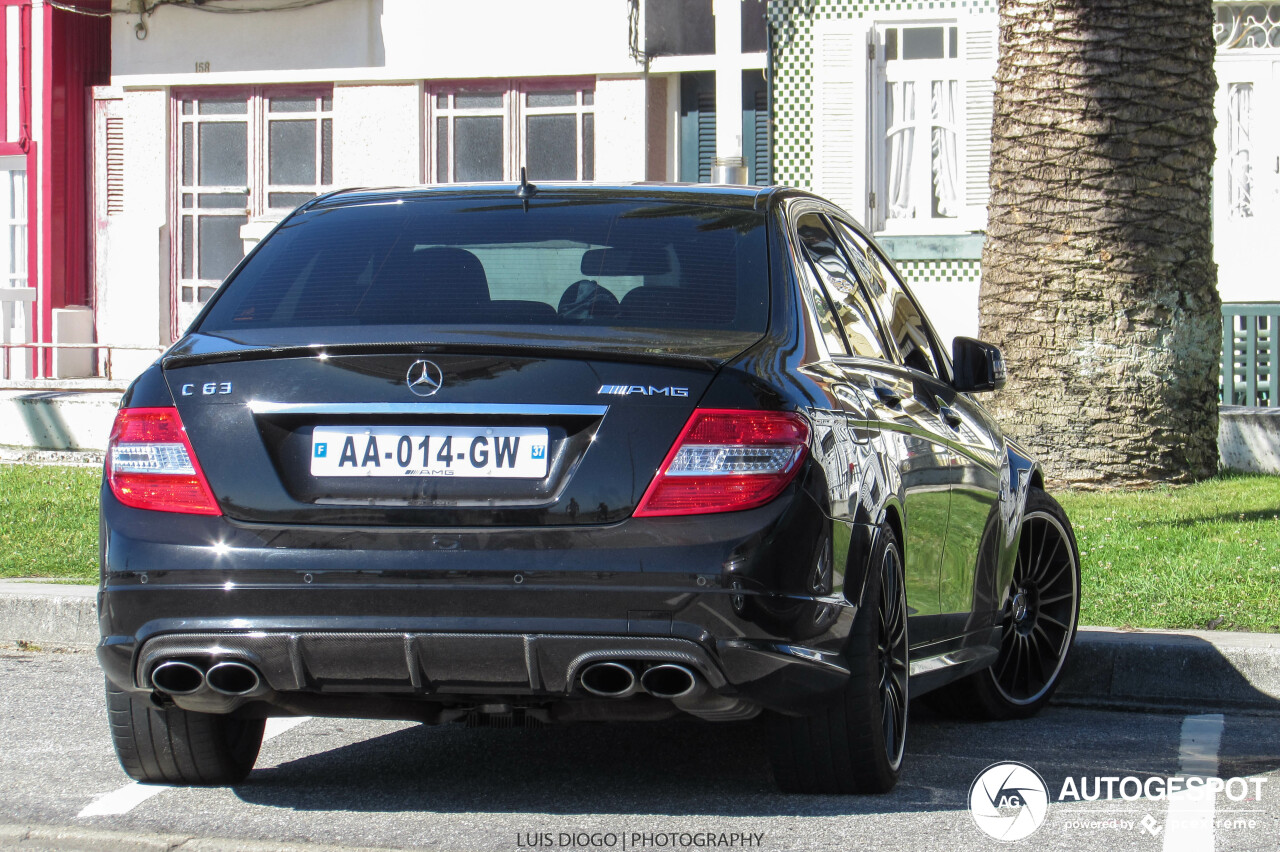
[[887, 395], [950, 417]]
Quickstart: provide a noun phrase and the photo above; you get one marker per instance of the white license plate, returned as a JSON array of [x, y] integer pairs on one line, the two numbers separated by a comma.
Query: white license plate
[[498, 451]]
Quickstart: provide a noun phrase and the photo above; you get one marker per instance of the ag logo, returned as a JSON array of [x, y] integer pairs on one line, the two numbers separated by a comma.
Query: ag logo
[[1009, 801], [424, 378]]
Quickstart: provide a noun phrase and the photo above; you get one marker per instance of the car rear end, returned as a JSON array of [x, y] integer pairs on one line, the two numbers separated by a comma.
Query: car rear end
[[449, 455]]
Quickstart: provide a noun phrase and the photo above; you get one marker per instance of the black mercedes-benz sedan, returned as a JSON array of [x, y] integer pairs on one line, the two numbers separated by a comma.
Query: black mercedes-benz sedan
[[519, 455]]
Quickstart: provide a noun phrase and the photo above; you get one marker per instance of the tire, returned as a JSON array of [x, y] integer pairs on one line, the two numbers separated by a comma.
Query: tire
[[856, 744], [1034, 646], [174, 746]]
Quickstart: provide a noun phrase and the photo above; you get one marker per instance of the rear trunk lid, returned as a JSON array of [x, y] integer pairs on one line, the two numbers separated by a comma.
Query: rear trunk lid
[[335, 435]]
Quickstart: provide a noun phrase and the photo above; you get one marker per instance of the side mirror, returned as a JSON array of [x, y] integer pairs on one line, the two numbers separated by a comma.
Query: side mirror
[[979, 366]]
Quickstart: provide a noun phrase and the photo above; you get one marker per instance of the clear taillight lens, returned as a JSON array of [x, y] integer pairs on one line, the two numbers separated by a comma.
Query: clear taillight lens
[[150, 464], [727, 460]]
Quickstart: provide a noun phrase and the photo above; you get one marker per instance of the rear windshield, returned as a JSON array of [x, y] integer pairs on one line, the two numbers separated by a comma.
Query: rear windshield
[[489, 262]]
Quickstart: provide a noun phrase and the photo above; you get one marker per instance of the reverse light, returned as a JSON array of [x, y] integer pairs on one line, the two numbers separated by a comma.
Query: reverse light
[[727, 460], [150, 464]]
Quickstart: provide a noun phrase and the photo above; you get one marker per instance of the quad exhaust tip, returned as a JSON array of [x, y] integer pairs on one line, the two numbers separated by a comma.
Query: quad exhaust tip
[[669, 680], [176, 677], [233, 678], [609, 680]]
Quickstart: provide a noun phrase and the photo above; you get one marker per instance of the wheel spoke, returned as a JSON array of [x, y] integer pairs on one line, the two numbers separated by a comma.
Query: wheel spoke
[[1042, 565]]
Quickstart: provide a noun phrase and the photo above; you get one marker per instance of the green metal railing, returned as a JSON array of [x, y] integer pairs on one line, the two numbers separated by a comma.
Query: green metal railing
[[1249, 340]]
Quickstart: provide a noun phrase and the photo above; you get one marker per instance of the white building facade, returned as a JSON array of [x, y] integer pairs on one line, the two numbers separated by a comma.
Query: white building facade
[[215, 125]]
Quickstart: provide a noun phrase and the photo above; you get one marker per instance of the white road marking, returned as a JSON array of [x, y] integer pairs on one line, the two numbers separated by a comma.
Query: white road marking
[[1188, 827], [133, 794]]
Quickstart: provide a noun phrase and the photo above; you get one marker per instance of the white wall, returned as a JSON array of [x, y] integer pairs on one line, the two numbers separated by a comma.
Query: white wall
[[377, 139], [375, 40], [620, 129]]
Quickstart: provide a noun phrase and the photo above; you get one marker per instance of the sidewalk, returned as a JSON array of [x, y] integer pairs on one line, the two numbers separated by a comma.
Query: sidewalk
[[1123, 669]]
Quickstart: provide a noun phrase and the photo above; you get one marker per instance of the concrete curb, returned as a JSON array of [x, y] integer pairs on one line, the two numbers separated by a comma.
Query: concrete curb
[[48, 615], [68, 838], [1191, 669], [1126, 669]]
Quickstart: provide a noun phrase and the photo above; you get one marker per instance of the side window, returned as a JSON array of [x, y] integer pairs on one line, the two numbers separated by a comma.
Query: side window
[[851, 308], [906, 324]]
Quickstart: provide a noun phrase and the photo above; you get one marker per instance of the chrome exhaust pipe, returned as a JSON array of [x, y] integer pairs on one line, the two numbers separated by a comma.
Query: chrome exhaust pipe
[[176, 677], [233, 678], [609, 680], [669, 680]]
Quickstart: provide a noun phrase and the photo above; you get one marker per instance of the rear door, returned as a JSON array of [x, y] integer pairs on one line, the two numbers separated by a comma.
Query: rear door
[[899, 407], [969, 434]]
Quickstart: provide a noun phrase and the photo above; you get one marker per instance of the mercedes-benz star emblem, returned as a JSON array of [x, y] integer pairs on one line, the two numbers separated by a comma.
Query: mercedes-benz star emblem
[[424, 378]]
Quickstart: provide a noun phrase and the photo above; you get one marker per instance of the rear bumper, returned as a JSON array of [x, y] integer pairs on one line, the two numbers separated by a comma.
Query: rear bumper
[[450, 617]]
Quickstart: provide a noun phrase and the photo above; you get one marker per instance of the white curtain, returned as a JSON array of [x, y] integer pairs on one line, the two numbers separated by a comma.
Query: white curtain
[[946, 170], [1239, 150], [901, 117]]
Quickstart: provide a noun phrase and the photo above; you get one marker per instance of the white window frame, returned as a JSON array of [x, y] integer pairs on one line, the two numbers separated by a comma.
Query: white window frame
[[190, 293], [514, 112], [964, 70]]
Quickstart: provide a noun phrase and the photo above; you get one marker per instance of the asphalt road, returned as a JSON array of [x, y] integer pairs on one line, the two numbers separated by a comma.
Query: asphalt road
[[402, 785]]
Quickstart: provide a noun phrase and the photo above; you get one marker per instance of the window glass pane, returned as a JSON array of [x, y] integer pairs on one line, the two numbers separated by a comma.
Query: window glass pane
[[220, 245], [188, 154], [224, 154], [186, 107], [552, 99], [188, 246], [204, 293], [291, 157], [588, 146], [230, 200], [853, 312], [442, 101], [477, 148], [288, 200], [891, 43], [292, 105], [588, 98], [922, 43], [223, 106], [755, 29], [652, 267], [188, 200], [906, 325], [477, 101], [442, 150], [679, 28], [188, 294], [326, 151], [552, 147], [326, 103], [953, 42]]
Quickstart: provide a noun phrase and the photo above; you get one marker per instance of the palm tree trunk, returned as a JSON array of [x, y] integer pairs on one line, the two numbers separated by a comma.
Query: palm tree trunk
[[1098, 273]]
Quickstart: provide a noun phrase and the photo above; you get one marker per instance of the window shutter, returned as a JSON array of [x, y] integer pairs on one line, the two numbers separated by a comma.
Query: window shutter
[[114, 145], [980, 46], [706, 134], [760, 141], [697, 126], [838, 58]]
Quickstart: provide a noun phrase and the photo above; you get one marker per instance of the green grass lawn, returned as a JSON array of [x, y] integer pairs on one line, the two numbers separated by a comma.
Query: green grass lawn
[[1197, 556], [49, 521]]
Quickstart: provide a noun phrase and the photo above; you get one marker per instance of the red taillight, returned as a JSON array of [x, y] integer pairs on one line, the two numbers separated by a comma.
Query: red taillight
[[150, 464], [727, 460]]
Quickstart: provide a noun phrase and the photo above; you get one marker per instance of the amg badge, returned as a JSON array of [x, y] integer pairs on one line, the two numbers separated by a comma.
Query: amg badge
[[645, 390]]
